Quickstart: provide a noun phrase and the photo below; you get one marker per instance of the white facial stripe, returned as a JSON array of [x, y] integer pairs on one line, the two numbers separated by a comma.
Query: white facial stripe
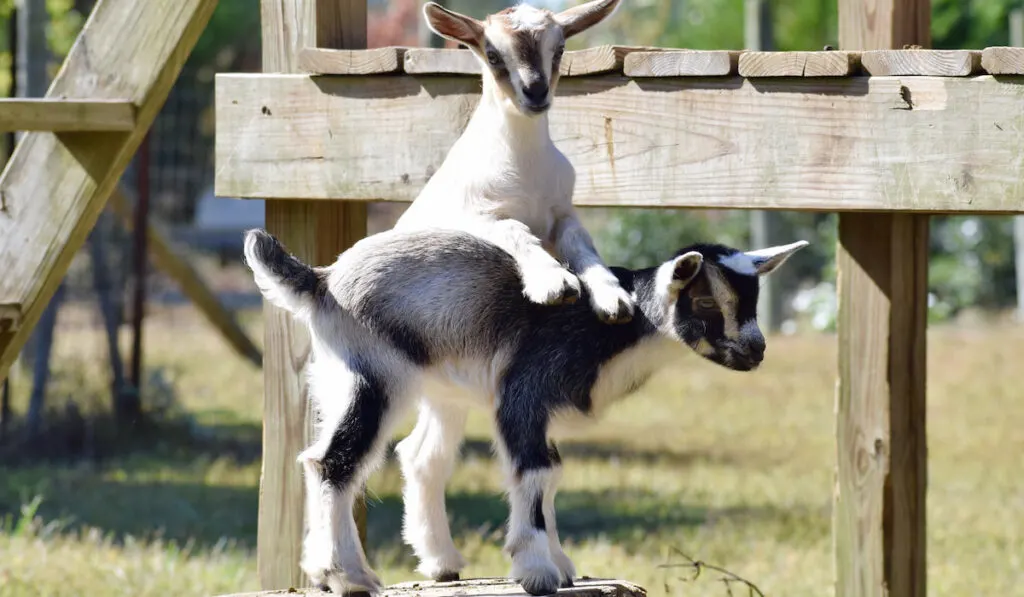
[[740, 263]]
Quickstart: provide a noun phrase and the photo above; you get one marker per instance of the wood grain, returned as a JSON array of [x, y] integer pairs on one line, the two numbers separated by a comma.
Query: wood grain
[[170, 261], [65, 115], [441, 61], [799, 64], [879, 510], [833, 144], [1003, 61], [481, 587], [597, 60], [681, 63], [55, 185], [936, 63], [317, 233], [321, 61]]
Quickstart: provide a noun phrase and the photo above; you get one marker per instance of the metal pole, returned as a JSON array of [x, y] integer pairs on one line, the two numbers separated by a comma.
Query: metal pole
[[132, 401]]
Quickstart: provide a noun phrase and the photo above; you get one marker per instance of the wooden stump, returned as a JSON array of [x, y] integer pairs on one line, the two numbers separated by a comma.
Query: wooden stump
[[478, 587]]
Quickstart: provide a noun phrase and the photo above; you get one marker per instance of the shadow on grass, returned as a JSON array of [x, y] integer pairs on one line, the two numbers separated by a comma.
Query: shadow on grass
[[188, 483]]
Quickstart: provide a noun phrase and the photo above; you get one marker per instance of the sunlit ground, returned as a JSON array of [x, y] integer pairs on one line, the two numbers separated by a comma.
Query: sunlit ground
[[735, 469]]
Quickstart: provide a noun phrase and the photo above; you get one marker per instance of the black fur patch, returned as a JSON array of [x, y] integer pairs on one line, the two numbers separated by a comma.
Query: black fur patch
[[538, 513], [295, 274], [355, 435]]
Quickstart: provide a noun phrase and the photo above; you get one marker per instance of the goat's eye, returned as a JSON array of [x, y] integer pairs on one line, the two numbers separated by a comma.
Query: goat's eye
[[706, 304], [493, 58], [558, 52]]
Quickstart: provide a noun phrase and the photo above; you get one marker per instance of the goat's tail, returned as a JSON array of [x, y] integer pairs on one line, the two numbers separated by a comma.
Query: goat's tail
[[283, 280]]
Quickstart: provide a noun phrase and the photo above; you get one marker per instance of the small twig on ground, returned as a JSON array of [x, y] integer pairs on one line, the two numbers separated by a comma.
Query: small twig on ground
[[727, 577]]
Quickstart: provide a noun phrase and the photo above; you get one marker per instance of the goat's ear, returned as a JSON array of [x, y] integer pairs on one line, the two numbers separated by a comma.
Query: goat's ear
[[768, 260], [580, 18], [452, 25], [686, 267]]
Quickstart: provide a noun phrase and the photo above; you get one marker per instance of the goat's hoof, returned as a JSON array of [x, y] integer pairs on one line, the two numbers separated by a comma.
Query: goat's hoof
[[447, 577], [567, 583], [554, 286], [542, 579], [363, 583], [613, 305]]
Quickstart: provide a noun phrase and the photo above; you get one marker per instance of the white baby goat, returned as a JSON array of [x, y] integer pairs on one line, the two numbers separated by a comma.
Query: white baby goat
[[439, 318], [503, 179]]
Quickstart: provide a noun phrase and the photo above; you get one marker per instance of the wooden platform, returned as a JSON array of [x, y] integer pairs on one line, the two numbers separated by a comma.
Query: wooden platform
[[490, 587]]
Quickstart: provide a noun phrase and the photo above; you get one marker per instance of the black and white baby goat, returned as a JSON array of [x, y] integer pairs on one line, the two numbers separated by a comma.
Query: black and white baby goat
[[402, 316]]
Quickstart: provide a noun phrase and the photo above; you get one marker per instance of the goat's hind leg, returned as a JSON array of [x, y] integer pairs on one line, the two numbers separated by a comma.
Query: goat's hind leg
[[428, 456], [350, 445]]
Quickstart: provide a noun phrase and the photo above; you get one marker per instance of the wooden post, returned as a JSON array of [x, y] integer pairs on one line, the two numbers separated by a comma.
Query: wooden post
[[316, 232], [879, 514]]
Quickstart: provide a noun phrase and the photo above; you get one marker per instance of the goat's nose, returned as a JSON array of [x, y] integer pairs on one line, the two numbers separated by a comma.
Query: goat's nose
[[756, 350], [536, 92]]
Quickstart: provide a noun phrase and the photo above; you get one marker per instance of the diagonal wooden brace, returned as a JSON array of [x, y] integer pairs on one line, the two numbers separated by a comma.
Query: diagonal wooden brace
[[55, 185]]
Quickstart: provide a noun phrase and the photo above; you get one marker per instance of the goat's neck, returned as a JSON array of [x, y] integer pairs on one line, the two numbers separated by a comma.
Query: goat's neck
[[504, 126]]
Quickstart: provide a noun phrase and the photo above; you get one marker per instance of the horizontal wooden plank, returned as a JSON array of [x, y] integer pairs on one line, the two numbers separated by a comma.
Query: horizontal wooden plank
[[597, 60], [1003, 60], [477, 587], [441, 61], [830, 63], [65, 115], [922, 144], [321, 61], [935, 63], [681, 63]]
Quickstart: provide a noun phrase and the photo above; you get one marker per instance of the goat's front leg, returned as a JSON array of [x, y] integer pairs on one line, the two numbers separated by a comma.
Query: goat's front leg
[[562, 561], [607, 297], [545, 280], [528, 459]]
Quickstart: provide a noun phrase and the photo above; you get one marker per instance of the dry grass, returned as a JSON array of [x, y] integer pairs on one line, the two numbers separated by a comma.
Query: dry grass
[[735, 469]]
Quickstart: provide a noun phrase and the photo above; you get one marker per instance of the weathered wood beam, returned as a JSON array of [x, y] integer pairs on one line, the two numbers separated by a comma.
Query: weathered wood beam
[[681, 63], [799, 64], [832, 144], [378, 61], [597, 60], [55, 185], [938, 63], [881, 474], [65, 115], [441, 61], [1003, 60], [316, 232]]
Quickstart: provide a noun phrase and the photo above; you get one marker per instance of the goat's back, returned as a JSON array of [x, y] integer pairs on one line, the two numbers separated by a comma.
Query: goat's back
[[434, 293]]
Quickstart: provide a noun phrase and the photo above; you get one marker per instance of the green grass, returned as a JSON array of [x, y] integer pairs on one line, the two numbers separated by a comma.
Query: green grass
[[734, 469]]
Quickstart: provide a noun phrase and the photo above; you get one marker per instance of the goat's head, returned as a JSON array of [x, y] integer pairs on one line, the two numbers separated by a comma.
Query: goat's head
[[709, 300], [520, 47]]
